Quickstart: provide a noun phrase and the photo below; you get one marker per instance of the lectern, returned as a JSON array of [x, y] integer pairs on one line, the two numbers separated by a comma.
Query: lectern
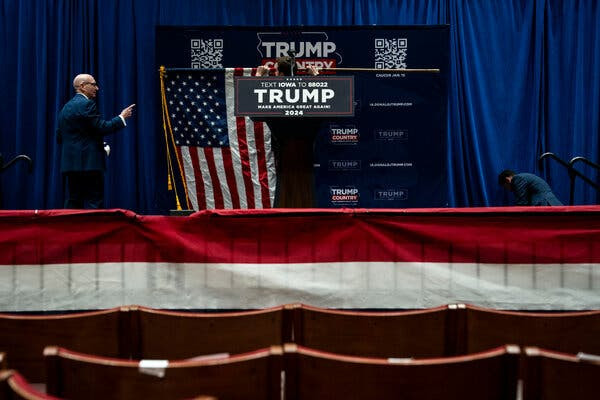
[[292, 141], [294, 109]]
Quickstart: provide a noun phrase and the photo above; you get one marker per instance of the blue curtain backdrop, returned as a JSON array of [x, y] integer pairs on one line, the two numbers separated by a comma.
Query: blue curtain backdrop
[[524, 80]]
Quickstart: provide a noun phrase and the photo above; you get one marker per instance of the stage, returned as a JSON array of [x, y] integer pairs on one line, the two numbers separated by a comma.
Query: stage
[[544, 258]]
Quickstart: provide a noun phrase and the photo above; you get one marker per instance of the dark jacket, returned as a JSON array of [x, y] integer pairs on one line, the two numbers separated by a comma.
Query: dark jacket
[[80, 132], [531, 190]]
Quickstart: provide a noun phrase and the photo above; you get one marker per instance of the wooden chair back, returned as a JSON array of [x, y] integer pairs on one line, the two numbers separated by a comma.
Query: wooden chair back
[[318, 375], [568, 332], [23, 337], [74, 375], [551, 375], [422, 333], [177, 335], [13, 386]]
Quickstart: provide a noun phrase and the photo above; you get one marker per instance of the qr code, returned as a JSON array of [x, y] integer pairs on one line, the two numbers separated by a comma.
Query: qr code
[[390, 53], [207, 53]]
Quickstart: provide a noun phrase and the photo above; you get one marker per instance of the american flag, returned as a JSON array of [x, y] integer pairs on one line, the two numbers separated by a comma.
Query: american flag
[[227, 161]]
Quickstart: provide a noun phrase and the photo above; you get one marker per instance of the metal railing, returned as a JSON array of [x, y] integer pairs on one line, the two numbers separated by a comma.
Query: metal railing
[[573, 173], [4, 167]]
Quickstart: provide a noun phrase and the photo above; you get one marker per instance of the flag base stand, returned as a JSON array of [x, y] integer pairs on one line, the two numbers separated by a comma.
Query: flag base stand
[[181, 213]]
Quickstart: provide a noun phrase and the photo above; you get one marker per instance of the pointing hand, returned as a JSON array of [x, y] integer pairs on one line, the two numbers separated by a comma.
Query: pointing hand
[[126, 113]]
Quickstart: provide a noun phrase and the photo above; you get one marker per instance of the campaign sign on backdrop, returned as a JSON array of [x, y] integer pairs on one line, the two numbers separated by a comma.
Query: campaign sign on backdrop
[[297, 96], [392, 152]]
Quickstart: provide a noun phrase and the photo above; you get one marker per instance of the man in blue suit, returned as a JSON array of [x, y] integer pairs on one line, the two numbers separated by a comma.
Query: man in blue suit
[[529, 189], [80, 134]]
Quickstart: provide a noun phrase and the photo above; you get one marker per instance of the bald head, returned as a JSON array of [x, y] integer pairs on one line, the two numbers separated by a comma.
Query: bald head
[[79, 79], [85, 84]]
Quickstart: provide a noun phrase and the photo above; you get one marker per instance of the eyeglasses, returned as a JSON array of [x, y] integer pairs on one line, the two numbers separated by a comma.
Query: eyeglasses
[[89, 83]]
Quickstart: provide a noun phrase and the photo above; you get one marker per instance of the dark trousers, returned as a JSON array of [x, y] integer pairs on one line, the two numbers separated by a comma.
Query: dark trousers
[[84, 188]]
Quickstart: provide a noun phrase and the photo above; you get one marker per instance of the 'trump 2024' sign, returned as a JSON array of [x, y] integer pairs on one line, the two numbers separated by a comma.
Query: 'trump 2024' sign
[[294, 96]]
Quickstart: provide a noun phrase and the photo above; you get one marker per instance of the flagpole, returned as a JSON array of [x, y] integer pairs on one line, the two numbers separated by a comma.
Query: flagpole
[[168, 130]]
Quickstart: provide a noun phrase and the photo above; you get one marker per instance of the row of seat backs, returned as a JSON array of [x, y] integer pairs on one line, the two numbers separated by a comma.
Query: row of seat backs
[[295, 372], [139, 332]]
